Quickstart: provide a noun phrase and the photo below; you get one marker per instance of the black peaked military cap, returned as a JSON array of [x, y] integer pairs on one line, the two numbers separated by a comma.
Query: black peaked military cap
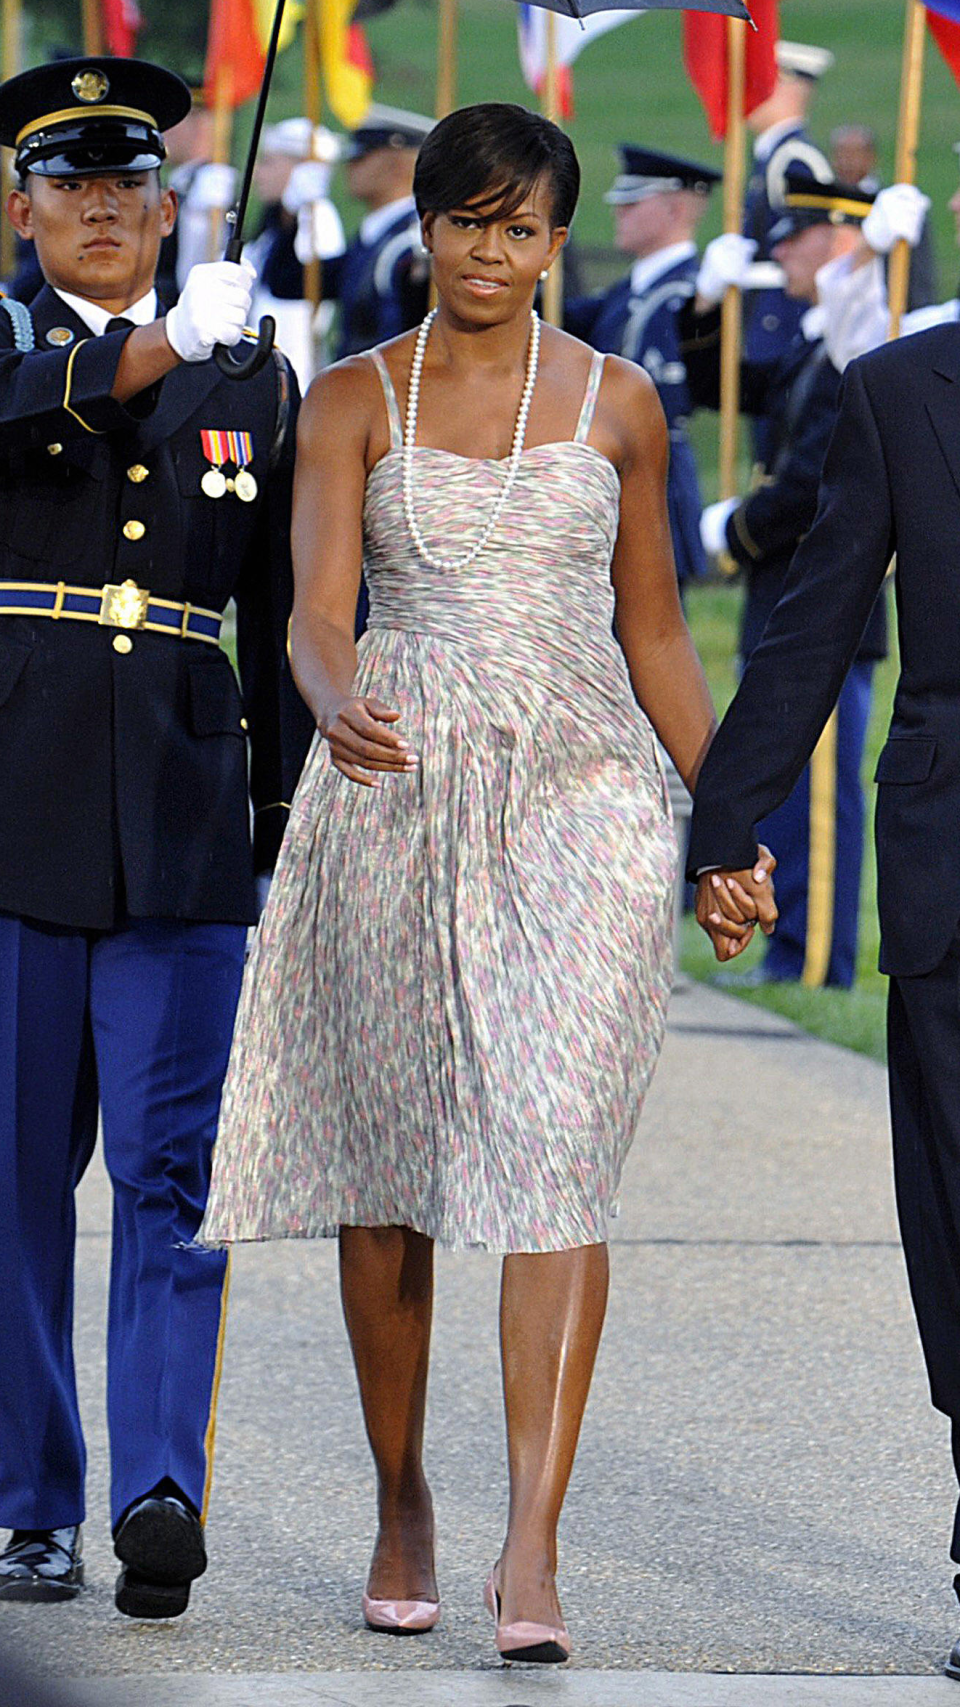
[[646, 171], [386, 127], [76, 117], [807, 202]]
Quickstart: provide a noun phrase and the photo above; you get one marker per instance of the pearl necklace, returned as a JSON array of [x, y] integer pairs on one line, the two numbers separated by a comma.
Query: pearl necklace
[[410, 438]]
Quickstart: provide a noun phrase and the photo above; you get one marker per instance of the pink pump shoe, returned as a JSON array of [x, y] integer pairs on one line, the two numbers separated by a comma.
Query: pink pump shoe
[[400, 1617], [535, 1644]]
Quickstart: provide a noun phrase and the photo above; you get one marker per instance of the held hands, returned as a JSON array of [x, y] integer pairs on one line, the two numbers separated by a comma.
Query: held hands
[[213, 309], [898, 212], [360, 742], [726, 261], [730, 905]]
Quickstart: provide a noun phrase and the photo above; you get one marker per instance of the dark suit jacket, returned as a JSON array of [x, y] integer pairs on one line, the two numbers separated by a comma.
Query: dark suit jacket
[[125, 776], [891, 484], [796, 398]]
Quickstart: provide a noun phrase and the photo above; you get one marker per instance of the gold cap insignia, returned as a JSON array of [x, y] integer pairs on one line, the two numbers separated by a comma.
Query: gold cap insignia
[[90, 85], [59, 335]]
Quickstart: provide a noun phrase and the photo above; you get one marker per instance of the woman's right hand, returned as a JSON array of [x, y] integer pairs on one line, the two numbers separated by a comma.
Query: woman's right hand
[[360, 741]]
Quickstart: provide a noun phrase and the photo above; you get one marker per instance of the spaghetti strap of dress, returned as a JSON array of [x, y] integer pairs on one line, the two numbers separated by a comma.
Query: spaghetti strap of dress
[[589, 398], [390, 399]]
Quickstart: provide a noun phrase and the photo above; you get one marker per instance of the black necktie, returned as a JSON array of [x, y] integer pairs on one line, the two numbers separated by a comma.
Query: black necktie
[[119, 324]]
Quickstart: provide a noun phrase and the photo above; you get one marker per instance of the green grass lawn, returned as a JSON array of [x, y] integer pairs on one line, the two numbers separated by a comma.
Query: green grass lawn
[[855, 1018]]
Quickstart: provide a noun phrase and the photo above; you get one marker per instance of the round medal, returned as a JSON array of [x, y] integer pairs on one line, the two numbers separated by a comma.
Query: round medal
[[214, 483], [246, 485]]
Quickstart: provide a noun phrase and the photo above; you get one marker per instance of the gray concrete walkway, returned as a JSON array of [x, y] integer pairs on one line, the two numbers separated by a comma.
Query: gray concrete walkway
[[762, 1486]]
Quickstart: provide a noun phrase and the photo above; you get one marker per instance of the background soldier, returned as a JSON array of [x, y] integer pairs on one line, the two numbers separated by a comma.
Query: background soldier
[[658, 202], [139, 491], [817, 834]]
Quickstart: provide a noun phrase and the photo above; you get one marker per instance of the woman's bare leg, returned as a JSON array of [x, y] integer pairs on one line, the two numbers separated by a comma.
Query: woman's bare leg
[[386, 1283], [552, 1307]]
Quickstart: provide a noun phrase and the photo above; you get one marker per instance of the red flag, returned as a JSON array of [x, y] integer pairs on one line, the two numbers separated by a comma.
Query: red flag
[[705, 56], [943, 16], [121, 23]]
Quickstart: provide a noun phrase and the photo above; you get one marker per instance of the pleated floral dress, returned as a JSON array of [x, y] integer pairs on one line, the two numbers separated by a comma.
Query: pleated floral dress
[[458, 990]]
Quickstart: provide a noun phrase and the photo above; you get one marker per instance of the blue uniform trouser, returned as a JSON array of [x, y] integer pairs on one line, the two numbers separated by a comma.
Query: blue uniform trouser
[[817, 836], [136, 1022]]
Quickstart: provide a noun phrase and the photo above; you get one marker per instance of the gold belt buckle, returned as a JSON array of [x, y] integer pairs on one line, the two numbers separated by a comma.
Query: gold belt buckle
[[125, 606]]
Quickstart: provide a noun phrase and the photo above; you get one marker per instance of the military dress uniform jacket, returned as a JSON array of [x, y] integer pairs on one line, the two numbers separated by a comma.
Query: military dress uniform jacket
[[643, 328], [124, 755], [382, 287], [797, 398]]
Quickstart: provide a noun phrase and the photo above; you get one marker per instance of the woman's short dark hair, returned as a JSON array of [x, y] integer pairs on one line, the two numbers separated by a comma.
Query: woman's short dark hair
[[490, 156]]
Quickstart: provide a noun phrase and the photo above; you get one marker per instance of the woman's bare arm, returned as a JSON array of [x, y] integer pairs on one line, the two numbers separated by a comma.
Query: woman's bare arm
[[665, 671], [331, 472]]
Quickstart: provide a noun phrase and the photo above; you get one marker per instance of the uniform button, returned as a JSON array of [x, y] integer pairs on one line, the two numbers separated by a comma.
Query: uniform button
[[137, 473], [133, 530], [122, 644], [54, 450], [243, 723]]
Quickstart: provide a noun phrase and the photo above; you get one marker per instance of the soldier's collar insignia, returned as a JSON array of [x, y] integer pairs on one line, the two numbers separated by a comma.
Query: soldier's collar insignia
[[60, 335], [91, 85]]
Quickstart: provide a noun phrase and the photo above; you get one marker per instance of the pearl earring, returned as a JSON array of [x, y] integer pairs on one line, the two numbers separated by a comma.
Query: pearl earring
[[545, 273]]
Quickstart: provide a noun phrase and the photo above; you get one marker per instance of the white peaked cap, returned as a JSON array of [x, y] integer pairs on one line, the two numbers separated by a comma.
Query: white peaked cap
[[803, 61]]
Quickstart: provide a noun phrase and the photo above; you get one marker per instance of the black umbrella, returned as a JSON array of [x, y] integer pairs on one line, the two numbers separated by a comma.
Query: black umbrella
[[583, 8]]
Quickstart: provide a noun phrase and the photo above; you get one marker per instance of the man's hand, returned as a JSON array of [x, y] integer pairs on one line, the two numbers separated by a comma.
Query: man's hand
[[726, 261], [730, 905], [898, 212], [213, 309], [308, 182], [713, 525]]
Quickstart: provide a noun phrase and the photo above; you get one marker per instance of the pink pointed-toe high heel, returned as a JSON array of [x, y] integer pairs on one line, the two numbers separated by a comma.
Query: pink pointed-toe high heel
[[400, 1617], [533, 1644]]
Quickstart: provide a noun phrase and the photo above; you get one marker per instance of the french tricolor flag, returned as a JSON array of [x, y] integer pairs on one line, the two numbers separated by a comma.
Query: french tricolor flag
[[943, 16]]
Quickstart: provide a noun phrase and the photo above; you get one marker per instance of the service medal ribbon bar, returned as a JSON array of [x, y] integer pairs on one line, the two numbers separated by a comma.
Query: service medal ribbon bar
[[222, 446]]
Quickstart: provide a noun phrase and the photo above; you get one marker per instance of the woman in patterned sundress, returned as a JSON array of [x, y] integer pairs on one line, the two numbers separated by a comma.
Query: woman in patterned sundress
[[458, 989]]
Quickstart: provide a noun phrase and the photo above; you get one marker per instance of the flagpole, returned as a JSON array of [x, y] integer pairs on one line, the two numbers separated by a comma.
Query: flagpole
[[312, 106], [908, 134], [553, 283], [731, 320], [222, 127], [92, 29], [12, 24], [446, 96]]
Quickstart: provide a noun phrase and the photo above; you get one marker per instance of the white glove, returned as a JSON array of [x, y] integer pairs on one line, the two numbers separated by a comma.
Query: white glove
[[319, 233], [308, 182], [899, 211], [713, 525], [213, 186], [726, 262], [214, 307]]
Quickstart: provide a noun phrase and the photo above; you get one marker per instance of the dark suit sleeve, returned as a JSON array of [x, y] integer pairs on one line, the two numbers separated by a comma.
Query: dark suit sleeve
[[52, 396], [699, 336], [794, 676], [280, 726], [770, 522]]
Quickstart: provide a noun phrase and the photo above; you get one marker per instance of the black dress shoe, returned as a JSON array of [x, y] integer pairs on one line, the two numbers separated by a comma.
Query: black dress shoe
[[42, 1564], [160, 1542], [952, 1667]]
